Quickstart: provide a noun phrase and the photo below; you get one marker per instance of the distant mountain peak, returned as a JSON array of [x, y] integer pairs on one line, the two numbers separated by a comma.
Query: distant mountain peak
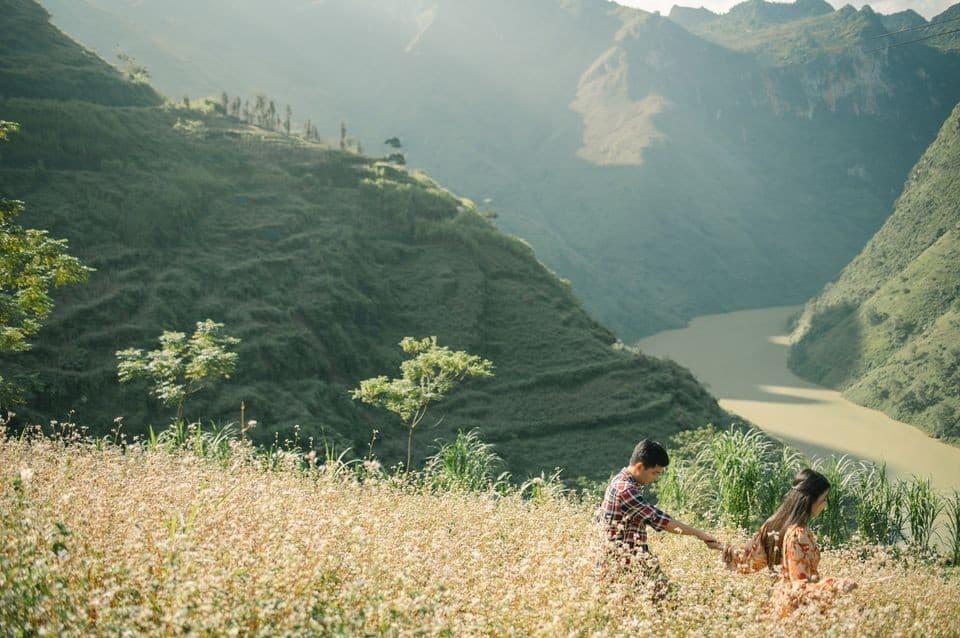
[[764, 13], [690, 18]]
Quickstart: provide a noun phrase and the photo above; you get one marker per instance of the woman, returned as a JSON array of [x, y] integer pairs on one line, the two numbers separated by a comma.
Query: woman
[[785, 540]]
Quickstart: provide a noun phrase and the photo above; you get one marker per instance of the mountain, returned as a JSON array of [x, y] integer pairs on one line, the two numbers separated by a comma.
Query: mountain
[[901, 20], [39, 63], [319, 259], [668, 170], [950, 40], [690, 18], [887, 332]]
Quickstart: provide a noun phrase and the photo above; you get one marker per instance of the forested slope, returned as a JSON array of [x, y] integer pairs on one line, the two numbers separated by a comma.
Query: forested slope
[[320, 260], [888, 330], [668, 171]]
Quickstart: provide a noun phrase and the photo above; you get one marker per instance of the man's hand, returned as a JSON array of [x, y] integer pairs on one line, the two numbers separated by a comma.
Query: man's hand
[[711, 542]]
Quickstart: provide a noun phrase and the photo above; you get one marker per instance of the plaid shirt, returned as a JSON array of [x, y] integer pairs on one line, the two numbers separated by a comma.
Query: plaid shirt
[[626, 513]]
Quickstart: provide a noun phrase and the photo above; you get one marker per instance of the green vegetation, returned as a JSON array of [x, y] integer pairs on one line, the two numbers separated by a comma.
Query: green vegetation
[[319, 261], [467, 464], [428, 376], [887, 331], [31, 265], [219, 538], [713, 215], [181, 367], [786, 34], [738, 478], [950, 41], [38, 62]]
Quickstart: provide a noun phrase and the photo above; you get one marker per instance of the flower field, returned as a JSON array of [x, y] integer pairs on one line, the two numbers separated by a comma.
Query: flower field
[[98, 538]]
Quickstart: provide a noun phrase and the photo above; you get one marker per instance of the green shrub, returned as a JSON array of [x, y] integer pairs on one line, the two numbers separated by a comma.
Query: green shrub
[[468, 464]]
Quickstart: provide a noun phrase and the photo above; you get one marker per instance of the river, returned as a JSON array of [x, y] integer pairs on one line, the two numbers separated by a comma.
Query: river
[[741, 357]]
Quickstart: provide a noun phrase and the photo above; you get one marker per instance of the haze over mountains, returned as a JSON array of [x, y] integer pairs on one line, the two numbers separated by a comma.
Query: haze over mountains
[[320, 260], [669, 167]]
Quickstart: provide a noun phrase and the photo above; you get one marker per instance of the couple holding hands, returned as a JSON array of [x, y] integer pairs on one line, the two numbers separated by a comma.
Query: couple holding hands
[[784, 540]]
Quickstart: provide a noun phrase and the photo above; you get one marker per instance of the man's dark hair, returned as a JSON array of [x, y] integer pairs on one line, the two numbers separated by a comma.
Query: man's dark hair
[[650, 453]]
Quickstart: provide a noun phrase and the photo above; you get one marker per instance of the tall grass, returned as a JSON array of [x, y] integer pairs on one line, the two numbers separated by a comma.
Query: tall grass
[[735, 477], [738, 477], [148, 541], [468, 464], [737, 460], [952, 509], [685, 488], [923, 506], [777, 476], [833, 523], [878, 505]]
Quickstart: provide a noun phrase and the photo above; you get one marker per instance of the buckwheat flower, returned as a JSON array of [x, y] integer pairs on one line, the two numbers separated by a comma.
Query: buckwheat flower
[[252, 423], [371, 465], [26, 474]]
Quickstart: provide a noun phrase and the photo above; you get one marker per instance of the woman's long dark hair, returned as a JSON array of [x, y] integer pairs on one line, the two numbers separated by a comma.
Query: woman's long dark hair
[[808, 486]]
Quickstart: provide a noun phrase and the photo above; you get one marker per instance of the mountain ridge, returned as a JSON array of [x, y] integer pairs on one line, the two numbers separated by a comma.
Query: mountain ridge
[[886, 332], [320, 260], [491, 101]]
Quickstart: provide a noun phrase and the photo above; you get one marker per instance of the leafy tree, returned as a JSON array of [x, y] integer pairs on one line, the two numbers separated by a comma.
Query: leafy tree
[[225, 103], [393, 142], [136, 73], [272, 117], [425, 378], [31, 263], [181, 367], [260, 110], [343, 136], [287, 116]]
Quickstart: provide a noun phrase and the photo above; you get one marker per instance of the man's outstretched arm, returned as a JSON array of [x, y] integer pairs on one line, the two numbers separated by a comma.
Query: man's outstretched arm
[[677, 527]]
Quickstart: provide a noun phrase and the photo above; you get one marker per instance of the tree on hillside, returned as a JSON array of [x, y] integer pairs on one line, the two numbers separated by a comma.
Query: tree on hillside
[[31, 263], [287, 116], [181, 367], [136, 73], [272, 118], [260, 110], [343, 135], [427, 377]]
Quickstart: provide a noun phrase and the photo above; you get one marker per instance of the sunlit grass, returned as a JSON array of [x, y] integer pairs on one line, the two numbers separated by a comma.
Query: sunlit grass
[[158, 540]]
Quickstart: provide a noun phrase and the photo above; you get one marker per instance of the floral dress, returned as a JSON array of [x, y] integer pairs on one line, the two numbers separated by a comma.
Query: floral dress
[[800, 582]]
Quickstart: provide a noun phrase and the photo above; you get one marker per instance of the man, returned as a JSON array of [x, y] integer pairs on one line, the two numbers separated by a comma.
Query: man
[[626, 515]]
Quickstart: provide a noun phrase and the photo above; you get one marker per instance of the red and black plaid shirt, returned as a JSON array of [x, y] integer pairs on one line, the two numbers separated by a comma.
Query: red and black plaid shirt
[[626, 513]]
